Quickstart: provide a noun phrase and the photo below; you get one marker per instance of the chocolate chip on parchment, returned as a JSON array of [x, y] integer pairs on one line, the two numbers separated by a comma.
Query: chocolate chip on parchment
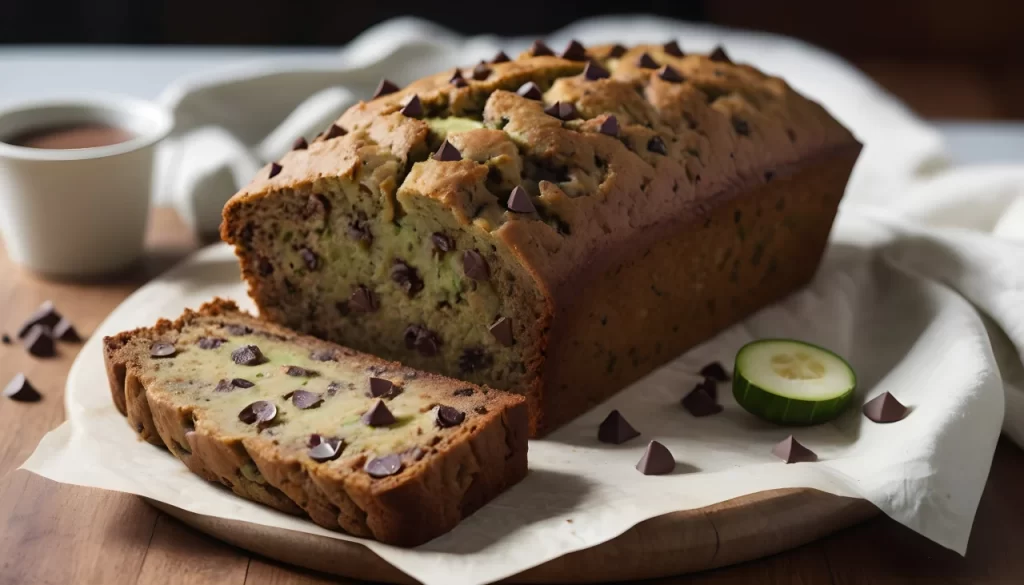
[[298, 372], [46, 315], [448, 417], [593, 71], [334, 131], [406, 277], [715, 371], [384, 88], [657, 460], [670, 74], [247, 355], [300, 143], [475, 266], [519, 201], [65, 331], [363, 300], [884, 408], [609, 126], [383, 466], [260, 412], [447, 153], [657, 145], [673, 48], [413, 108], [21, 390], [615, 429], [502, 331], [310, 258], [719, 55], [442, 243], [562, 110], [646, 62], [616, 51], [378, 415], [481, 71], [474, 359], [791, 451], [275, 170], [530, 91], [380, 387], [501, 57], [162, 349], [323, 449], [699, 402], [574, 51], [304, 399], [539, 49]]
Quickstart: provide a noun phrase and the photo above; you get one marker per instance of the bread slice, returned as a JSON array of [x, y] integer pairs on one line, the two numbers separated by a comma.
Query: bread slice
[[357, 443]]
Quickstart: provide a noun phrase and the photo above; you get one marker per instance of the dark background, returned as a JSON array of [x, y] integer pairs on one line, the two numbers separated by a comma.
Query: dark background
[[959, 59]]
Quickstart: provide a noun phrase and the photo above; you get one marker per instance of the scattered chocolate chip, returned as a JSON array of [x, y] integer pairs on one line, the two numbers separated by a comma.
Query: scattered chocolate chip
[[275, 169], [20, 389], [699, 402], [574, 51], [475, 266], [310, 258], [378, 415], [791, 451], [304, 399], [610, 126], [413, 108], [657, 460], [65, 331], [225, 385], [501, 57], [300, 144], [719, 55], [657, 145], [448, 417], [260, 412], [363, 300], [502, 331], [884, 408], [46, 315], [383, 466], [459, 82], [481, 71], [463, 392], [322, 355], [6, 339], [647, 62], [442, 243], [562, 110], [673, 48], [247, 355], [334, 131], [519, 201], [235, 329], [359, 231], [715, 371], [474, 359], [480, 410], [617, 51], [668, 73], [241, 383], [615, 429], [406, 277], [162, 349], [333, 388], [456, 76], [422, 340], [298, 372], [539, 49], [380, 387], [323, 449], [593, 71], [447, 153], [384, 88], [530, 91], [741, 127]]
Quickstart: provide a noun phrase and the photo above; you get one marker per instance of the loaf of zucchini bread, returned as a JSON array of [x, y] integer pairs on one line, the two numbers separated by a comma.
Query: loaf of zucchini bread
[[357, 443], [557, 225]]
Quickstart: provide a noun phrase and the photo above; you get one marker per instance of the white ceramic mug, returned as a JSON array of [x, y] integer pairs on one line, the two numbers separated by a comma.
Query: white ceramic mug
[[78, 212]]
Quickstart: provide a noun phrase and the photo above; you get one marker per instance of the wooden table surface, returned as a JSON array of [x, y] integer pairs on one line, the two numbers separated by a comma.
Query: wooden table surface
[[53, 533]]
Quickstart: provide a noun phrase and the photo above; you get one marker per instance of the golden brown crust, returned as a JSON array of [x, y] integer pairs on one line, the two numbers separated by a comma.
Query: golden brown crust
[[470, 465]]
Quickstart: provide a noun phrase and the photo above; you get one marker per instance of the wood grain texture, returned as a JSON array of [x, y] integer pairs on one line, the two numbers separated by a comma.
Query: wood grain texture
[[52, 533]]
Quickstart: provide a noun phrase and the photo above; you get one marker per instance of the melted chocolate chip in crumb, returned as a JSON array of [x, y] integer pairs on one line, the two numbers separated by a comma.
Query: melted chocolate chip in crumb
[[162, 349], [248, 355], [260, 412], [210, 342], [322, 355], [463, 392], [310, 258], [234, 329], [449, 417], [406, 277], [474, 359], [442, 243], [480, 410], [657, 145], [502, 331], [475, 266], [423, 340], [299, 372], [363, 300]]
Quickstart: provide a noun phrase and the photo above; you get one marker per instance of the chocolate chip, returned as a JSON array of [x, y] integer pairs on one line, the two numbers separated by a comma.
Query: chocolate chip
[[65, 331], [519, 201], [20, 389], [442, 243], [456, 77], [298, 372], [378, 415], [593, 71], [475, 266], [480, 410], [672, 48], [699, 402], [46, 315], [422, 340], [474, 359], [383, 466], [463, 392], [260, 412], [324, 449], [617, 51], [234, 329], [741, 127], [265, 268], [481, 71], [530, 91], [715, 371], [334, 131], [241, 383], [247, 355], [449, 417], [562, 110], [384, 88], [502, 331], [5, 339], [225, 385], [609, 126], [539, 49], [322, 355], [669, 74], [333, 388], [719, 56], [406, 277], [413, 108], [501, 57], [791, 451], [300, 144], [310, 258], [647, 62], [363, 300], [359, 231], [162, 349], [380, 387], [884, 408], [275, 169], [447, 153], [615, 429], [657, 460], [657, 145], [303, 399], [574, 51]]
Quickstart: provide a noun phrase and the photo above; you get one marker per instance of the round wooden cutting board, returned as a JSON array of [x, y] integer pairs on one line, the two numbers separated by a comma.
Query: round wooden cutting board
[[730, 532]]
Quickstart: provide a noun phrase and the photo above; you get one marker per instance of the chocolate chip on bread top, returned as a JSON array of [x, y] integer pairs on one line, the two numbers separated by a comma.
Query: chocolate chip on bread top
[[357, 443], [660, 195]]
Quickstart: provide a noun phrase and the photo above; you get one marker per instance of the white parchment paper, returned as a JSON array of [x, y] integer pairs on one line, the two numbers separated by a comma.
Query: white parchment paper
[[887, 297]]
